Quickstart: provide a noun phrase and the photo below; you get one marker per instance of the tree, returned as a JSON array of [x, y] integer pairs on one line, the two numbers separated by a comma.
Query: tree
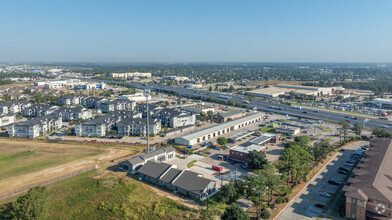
[[210, 114], [33, 205], [229, 193], [231, 88], [320, 150], [257, 159], [234, 212], [265, 214], [357, 129], [222, 141], [345, 127], [210, 88], [381, 133], [270, 179], [294, 161]]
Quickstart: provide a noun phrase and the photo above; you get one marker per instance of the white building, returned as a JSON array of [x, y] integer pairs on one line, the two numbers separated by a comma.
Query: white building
[[137, 97], [7, 119], [382, 103], [217, 130], [34, 127]]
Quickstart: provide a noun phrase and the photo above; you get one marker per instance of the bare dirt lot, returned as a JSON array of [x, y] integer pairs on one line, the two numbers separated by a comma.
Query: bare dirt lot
[[24, 163]]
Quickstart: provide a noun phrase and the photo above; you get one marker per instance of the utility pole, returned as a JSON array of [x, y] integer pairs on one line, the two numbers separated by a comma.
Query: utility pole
[[147, 94]]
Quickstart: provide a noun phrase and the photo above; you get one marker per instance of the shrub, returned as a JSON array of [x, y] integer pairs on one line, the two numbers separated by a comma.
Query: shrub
[[265, 214]]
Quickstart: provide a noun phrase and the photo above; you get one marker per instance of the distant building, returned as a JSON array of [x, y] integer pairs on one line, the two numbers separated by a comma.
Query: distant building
[[71, 100], [158, 155], [130, 75], [368, 194], [224, 116], [198, 108], [116, 105], [37, 110], [34, 127], [176, 78], [138, 126], [137, 97], [382, 103], [289, 130], [73, 114]]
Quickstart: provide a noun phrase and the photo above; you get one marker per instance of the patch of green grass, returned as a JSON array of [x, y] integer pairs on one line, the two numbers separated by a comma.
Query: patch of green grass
[[82, 197], [16, 155], [191, 164]]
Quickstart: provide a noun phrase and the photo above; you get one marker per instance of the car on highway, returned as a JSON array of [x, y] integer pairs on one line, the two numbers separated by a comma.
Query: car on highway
[[316, 111], [305, 112], [318, 205], [325, 194], [385, 126]]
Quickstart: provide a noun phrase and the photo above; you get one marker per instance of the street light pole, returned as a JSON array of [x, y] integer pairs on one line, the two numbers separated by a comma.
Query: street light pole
[[147, 94]]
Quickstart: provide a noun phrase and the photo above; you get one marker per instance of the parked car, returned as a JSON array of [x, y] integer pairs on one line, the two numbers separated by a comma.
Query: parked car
[[344, 169], [318, 205], [333, 182], [342, 172], [348, 164], [325, 194]]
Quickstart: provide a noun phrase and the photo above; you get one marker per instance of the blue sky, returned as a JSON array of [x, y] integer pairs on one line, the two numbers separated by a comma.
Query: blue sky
[[196, 31]]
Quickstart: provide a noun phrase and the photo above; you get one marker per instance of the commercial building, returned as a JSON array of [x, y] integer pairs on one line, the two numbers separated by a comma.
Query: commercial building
[[185, 182], [198, 108], [369, 194], [176, 78], [278, 90], [130, 75], [217, 130], [382, 103], [177, 130], [224, 116], [158, 155], [137, 97], [241, 153], [34, 127], [289, 130]]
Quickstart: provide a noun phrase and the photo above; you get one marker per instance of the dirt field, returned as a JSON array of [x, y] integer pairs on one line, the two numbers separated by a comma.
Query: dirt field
[[24, 163]]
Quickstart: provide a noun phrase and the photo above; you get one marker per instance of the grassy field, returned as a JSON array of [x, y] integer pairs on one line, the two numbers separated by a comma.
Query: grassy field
[[23, 163], [113, 196], [17, 158]]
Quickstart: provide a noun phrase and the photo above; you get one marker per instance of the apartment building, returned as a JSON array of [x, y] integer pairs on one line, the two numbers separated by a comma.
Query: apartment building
[[174, 118], [68, 114], [71, 100], [116, 105], [37, 110], [369, 194], [7, 119], [13, 107], [35, 127], [138, 126]]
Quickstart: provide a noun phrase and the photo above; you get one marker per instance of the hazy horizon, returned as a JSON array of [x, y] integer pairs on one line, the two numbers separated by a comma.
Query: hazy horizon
[[279, 31]]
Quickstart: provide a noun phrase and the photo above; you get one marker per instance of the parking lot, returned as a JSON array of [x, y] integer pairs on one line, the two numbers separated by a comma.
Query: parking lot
[[303, 206]]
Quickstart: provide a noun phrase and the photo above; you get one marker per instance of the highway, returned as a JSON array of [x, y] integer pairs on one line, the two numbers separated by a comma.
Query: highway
[[311, 113]]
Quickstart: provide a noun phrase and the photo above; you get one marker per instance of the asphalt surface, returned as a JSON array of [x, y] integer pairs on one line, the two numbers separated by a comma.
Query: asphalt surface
[[303, 205], [335, 117]]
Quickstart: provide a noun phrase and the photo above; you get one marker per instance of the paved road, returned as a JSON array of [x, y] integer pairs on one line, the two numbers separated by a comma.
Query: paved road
[[302, 207], [262, 105]]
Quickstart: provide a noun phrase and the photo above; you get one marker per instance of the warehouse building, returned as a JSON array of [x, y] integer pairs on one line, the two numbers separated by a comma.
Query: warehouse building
[[217, 130], [382, 103]]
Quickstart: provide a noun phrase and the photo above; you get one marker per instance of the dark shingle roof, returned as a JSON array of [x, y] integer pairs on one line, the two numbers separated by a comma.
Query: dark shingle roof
[[191, 181], [170, 175], [154, 169]]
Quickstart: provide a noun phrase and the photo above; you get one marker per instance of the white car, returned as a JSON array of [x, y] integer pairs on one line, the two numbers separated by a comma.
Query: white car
[[348, 164], [325, 194]]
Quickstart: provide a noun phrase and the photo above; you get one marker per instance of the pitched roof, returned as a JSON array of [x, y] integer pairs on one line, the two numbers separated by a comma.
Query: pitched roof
[[192, 182], [170, 175], [374, 178], [154, 169]]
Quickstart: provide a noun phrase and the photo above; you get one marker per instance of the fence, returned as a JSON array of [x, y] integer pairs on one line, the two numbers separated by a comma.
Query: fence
[[25, 189], [75, 141]]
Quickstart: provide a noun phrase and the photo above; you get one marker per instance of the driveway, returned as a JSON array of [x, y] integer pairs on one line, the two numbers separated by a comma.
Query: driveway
[[302, 206]]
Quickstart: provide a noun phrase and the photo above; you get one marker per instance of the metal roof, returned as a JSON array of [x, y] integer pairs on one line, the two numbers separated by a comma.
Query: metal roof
[[248, 149], [221, 126], [241, 135]]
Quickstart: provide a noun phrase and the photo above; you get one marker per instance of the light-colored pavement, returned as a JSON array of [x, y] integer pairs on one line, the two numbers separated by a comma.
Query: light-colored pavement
[[302, 206]]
